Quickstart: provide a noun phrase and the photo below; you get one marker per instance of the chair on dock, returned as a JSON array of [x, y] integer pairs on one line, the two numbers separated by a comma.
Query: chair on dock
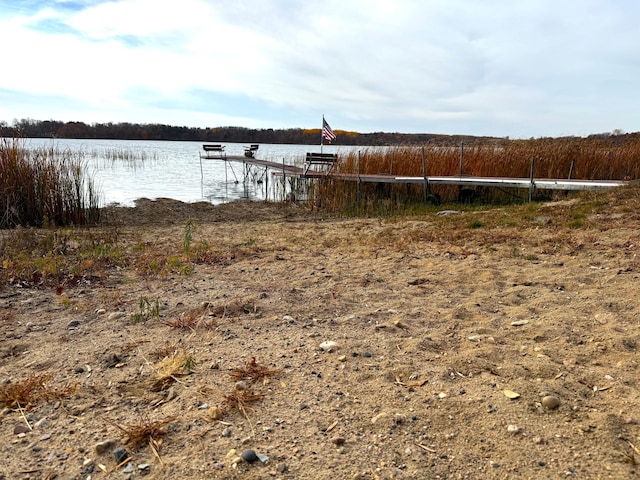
[[325, 159], [250, 151], [213, 150]]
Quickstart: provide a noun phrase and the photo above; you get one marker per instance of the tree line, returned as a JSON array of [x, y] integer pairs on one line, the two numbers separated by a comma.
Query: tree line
[[29, 128]]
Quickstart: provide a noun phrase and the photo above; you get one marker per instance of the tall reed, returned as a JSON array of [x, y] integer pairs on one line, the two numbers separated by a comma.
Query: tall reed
[[579, 158], [44, 186]]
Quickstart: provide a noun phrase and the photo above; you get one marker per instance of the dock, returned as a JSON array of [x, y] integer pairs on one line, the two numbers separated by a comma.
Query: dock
[[313, 171]]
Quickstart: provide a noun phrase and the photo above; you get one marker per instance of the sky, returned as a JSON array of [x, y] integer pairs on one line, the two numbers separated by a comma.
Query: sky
[[516, 68]]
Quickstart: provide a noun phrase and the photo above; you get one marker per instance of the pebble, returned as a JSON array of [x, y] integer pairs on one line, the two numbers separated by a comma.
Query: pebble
[[115, 315], [338, 441], [282, 467], [550, 402], [366, 354], [514, 429], [242, 385], [519, 323], [511, 394], [328, 346], [73, 325], [18, 429], [101, 311], [249, 456], [105, 446], [227, 432], [120, 455]]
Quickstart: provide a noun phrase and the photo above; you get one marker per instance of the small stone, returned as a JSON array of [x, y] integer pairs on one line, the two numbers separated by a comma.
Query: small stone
[[519, 323], [241, 385], [375, 419], [342, 358], [550, 402], [73, 325], [120, 455], [227, 432], [18, 429], [475, 338], [399, 418], [249, 456], [511, 394], [282, 468], [116, 315], [513, 429], [78, 370], [128, 468], [630, 421], [101, 311], [367, 354], [328, 346], [442, 395], [203, 406], [144, 466], [338, 441], [539, 440]]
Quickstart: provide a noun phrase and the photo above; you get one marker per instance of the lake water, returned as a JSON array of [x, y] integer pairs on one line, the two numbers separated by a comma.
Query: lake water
[[125, 170]]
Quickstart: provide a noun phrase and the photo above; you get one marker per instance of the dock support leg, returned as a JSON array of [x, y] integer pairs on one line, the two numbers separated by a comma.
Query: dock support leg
[[531, 182]]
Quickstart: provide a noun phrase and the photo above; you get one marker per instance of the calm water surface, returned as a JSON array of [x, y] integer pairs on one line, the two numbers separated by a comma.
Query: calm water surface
[[125, 170]]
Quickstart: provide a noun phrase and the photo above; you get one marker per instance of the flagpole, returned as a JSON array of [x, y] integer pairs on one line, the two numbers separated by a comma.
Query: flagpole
[[322, 134]]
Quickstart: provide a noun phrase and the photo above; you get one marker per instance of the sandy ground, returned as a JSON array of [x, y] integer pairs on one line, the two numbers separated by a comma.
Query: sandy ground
[[417, 347]]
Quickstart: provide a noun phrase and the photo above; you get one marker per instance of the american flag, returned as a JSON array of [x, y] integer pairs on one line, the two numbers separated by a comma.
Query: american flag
[[327, 133]]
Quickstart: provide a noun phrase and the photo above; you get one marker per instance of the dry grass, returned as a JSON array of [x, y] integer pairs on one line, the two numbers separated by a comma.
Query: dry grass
[[241, 399], [252, 372], [45, 186], [577, 158], [193, 319], [145, 431], [33, 390]]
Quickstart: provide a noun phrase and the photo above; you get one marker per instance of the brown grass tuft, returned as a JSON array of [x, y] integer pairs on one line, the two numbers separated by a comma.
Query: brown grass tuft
[[241, 399], [33, 390], [252, 371], [144, 431]]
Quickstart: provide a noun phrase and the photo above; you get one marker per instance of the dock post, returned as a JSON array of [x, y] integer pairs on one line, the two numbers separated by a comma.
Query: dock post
[[531, 183], [358, 182], [570, 170], [425, 187]]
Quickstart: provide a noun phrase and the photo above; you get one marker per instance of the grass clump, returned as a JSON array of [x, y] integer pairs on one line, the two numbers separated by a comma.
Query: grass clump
[[144, 431], [44, 187], [32, 390], [252, 372]]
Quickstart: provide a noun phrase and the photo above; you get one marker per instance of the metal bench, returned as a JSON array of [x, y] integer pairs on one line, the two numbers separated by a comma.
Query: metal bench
[[213, 150], [250, 151], [326, 159]]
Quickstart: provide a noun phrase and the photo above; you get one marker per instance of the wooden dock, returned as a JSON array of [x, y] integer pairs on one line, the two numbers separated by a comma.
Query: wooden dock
[[530, 184]]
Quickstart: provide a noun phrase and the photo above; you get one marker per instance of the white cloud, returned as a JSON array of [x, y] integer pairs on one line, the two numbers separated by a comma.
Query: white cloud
[[492, 67]]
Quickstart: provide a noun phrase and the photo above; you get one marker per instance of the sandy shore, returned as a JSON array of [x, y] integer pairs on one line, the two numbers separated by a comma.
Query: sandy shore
[[418, 347]]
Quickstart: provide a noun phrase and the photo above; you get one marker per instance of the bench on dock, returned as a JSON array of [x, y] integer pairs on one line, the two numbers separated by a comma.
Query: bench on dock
[[250, 150], [213, 150], [326, 159]]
